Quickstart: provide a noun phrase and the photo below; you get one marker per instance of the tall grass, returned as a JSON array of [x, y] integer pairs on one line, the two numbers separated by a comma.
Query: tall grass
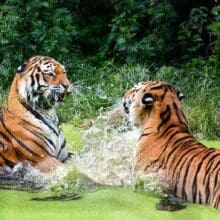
[[96, 89], [99, 88]]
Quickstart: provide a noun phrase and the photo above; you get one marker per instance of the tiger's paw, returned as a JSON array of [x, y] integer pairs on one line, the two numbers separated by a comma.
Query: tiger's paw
[[48, 164], [170, 205]]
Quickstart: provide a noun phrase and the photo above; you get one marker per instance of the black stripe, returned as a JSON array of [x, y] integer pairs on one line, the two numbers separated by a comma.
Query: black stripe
[[32, 81], [157, 87], [30, 124], [183, 157], [177, 112], [17, 140], [62, 146], [217, 203], [38, 80], [165, 92], [2, 145], [151, 164], [207, 186], [41, 147], [169, 127], [207, 190], [199, 166], [144, 135], [38, 116], [162, 163], [186, 171], [216, 181], [51, 142], [209, 165], [40, 137], [200, 197], [184, 195], [7, 161], [175, 147], [5, 136], [176, 132], [44, 78], [165, 117]]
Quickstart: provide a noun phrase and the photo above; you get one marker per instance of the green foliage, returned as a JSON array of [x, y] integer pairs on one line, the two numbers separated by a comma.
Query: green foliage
[[92, 38], [140, 31], [191, 31], [215, 29], [130, 32], [10, 36], [29, 28]]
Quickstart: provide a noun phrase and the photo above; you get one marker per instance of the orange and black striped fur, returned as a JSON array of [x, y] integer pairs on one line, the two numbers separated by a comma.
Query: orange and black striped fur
[[29, 127], [166, 147]]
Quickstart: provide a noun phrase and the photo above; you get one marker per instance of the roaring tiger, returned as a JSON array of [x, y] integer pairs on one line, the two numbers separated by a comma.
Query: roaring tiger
[[29, 126], [167, 149]]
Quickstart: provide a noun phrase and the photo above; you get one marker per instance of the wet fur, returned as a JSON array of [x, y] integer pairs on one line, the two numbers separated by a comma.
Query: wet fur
[[167, 148], [29, 127]]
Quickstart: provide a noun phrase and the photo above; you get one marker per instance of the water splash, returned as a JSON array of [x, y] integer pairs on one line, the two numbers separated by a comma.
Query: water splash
[[106, 159], [109, 146]]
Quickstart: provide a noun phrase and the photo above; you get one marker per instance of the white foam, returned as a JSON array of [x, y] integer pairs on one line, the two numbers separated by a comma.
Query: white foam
[[109, 146]]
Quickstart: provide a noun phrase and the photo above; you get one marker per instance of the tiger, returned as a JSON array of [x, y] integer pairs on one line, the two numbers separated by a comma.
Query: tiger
[[166, 147], [29, 127]]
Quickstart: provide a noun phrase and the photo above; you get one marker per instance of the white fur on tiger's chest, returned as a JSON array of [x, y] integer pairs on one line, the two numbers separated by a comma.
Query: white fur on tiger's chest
[[52, 133]]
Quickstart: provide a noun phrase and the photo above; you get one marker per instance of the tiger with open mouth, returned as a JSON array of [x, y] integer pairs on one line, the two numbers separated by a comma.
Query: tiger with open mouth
[[29, 126]]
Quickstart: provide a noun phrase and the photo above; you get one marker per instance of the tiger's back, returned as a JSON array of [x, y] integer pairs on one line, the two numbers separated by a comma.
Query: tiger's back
[[166, 147]]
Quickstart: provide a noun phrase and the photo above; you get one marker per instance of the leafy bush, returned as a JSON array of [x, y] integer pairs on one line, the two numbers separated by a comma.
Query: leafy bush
[[215, 29], [29, 28], [130, 32], [190, 35], [92, 38], [140, 31]]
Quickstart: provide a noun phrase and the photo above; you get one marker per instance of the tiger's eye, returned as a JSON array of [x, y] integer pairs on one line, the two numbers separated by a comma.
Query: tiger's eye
[[51, 74]]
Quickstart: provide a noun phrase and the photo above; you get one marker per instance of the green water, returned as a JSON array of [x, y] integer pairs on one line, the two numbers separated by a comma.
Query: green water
[[103, 204], [114, 204]]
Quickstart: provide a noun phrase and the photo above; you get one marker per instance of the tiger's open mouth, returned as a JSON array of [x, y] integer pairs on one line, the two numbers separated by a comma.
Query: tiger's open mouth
[[56, 95], [56, 98]]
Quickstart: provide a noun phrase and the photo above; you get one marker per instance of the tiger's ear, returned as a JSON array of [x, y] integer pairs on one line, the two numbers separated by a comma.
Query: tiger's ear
[[21, 68], [180, 95]]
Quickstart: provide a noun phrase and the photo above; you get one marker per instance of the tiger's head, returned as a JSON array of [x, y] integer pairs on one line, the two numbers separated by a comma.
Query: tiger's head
[[153, 103], [42, 82]]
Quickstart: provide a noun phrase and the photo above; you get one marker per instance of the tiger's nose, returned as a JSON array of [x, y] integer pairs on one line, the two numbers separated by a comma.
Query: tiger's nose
[[126, 109]]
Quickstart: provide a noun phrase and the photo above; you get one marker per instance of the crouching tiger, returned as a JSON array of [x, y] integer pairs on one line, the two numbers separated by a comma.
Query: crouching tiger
[[29, 127], [166, 147]]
